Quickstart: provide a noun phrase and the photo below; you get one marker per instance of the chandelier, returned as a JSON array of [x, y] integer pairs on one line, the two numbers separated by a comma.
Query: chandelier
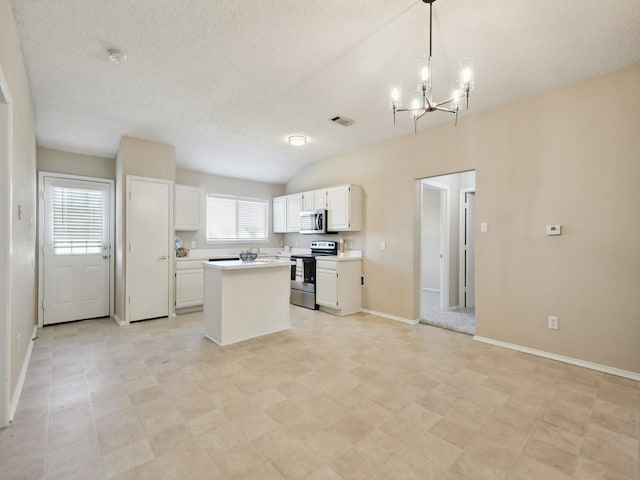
[[424, 104]]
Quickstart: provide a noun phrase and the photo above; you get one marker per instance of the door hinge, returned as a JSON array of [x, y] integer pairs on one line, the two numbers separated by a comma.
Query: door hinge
[[129, 300], [43, 306], [129, 195]]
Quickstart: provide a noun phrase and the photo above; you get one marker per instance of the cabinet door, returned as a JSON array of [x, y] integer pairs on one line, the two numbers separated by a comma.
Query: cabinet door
[[294, 202], [327, 288], [187, 211], [279, 215], [338, 208], [308, 201], [320, 198], [189, 288]]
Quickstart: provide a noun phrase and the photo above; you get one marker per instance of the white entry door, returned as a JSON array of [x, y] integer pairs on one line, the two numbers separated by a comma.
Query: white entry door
[[76, 249], [148, 252]]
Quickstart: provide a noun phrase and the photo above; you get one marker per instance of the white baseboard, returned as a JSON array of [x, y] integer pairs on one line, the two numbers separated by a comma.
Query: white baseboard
[[561, 358], [117, 319], [13, 406], [390, 317]]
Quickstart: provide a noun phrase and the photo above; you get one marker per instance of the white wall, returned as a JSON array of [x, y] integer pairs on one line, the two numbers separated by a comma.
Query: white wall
[[431, 248], [551, 158], [22, 195], [58, 161]]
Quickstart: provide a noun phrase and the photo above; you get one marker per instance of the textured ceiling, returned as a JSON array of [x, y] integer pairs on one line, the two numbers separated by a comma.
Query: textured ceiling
[[227, 81]]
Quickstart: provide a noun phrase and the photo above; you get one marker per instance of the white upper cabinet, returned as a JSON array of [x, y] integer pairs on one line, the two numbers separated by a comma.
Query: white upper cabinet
[[344, 208], [187, 207], [343, 204], [294, 205], [314, 200], [280, 215]]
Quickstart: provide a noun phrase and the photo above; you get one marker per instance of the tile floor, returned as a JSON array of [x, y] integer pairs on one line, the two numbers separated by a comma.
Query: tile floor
[[333, 398]]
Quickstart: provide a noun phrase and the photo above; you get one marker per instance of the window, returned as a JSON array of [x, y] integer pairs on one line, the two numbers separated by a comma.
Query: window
[[236, 219], [78, 221]]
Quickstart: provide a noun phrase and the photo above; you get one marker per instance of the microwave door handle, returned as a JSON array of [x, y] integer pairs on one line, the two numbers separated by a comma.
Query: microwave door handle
[[319, 222]]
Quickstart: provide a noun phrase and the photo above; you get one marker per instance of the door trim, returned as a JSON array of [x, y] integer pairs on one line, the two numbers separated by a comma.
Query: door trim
[[5, 256], [41, 219], [170, 238], [461, 275]]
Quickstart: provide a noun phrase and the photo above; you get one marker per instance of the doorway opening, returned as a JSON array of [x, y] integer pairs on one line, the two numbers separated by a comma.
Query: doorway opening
[[447, 251]]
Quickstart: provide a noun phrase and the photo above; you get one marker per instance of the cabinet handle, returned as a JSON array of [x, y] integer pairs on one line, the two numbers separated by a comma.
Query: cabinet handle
[[163, 257]]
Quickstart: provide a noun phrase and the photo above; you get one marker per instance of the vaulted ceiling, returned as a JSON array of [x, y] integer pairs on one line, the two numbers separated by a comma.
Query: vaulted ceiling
[[227, 81]]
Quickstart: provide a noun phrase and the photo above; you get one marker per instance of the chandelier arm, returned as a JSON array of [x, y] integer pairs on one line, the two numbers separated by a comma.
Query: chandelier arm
[[444, 102], [448, 110]]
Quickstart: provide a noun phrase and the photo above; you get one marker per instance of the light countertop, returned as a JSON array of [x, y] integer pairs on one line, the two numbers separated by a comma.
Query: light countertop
[[239, 264]]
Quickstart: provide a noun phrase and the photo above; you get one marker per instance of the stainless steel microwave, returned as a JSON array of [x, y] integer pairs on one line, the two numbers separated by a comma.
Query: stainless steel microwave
[[313, 221]]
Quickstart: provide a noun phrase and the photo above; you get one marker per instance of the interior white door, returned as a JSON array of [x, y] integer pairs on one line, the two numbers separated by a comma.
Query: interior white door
[[76, 250], [148, 238], [469, 251]]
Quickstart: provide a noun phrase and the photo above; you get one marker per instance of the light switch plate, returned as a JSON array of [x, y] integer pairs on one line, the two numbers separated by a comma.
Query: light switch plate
[[383, 245], [484, 228]]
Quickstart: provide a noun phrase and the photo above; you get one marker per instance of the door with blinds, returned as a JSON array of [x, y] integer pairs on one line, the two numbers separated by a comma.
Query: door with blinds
[[76, 249]]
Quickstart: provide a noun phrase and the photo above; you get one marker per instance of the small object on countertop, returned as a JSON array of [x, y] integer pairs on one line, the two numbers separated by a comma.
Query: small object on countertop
[[182, 252], [248, 256]]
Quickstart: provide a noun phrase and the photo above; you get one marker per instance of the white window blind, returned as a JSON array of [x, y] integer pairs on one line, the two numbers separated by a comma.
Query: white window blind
[[78, 221], [236, 219]]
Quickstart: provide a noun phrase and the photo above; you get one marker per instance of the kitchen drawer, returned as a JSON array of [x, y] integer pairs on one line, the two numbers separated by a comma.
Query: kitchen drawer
[[190, 264], [326, 265]]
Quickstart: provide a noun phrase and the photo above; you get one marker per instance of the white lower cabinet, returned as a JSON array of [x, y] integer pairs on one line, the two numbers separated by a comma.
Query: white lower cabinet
[[189, 283], [338, 289]]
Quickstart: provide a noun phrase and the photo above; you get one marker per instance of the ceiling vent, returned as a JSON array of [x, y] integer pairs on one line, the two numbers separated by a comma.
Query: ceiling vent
[[344, 121]]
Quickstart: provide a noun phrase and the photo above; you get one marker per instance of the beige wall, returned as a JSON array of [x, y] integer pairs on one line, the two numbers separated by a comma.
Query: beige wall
[[142, 158], [57, 161], [22, 183], [227, 186], [567, 157]]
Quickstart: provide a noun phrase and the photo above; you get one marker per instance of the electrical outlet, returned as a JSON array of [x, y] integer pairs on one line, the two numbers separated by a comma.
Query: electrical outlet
[[553, 323]]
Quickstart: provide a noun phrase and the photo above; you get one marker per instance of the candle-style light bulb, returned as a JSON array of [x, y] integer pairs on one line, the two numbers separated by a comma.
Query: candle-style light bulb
[[465, 78], [395, 95]]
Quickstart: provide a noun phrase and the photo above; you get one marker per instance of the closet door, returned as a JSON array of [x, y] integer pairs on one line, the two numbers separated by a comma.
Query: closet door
[[148, 256]]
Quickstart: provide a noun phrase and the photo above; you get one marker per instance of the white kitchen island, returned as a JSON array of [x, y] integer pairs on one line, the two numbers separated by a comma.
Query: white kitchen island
[[245, 300]]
